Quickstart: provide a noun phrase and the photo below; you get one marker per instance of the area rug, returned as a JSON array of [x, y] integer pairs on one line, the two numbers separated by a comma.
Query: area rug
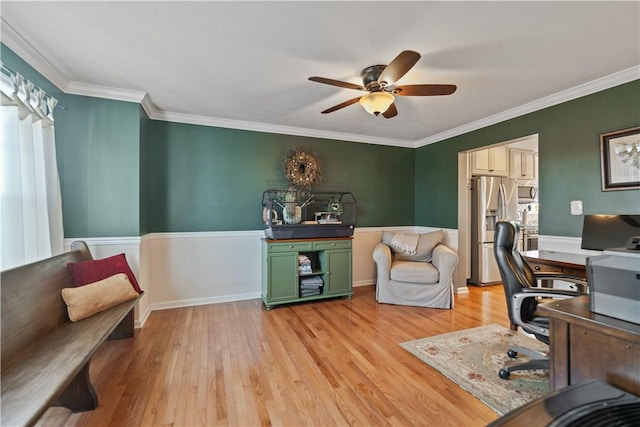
[[472, 359]]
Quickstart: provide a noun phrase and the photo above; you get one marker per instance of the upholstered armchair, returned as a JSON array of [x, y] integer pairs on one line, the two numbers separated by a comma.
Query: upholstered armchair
[[415, 270]]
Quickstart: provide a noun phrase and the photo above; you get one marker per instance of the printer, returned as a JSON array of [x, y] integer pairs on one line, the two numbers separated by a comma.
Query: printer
[[614, 282]]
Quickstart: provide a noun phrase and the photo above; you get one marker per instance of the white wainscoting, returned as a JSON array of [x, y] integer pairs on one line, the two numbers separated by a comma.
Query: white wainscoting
[[187, 269]]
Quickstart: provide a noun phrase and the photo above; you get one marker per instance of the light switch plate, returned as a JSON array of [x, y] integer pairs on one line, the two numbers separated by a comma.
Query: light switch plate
[[576, 207]]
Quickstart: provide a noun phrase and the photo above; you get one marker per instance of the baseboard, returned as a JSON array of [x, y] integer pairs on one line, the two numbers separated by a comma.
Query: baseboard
[[142, 318], [202, 301], [360, 283]]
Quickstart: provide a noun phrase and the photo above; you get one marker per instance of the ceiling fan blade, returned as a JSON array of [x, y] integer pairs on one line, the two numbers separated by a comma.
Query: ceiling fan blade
[[338, 83], [339, 106], [424, 90], [398, 67], [392, 111]]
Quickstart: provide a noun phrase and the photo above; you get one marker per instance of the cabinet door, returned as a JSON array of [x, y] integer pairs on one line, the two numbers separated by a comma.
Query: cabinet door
[[499, 161], [480, 162], [282, 276], [515, 164], [492, 161], [338, 265], [528, 165], [522, 164]]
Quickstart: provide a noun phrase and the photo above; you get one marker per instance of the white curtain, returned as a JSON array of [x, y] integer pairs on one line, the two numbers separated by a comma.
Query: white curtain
[[30, 202]]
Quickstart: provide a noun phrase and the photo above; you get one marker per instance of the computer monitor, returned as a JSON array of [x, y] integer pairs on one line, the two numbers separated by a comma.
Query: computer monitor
[[600, 232]]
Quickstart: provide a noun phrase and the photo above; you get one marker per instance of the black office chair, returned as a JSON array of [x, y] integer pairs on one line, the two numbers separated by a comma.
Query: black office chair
[[522, 293]]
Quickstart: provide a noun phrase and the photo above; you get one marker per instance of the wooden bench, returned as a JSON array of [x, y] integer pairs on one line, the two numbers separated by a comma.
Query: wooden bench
[[45, 356]]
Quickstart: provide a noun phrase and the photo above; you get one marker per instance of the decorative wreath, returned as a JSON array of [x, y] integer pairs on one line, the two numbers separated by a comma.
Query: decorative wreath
[[302, 169]]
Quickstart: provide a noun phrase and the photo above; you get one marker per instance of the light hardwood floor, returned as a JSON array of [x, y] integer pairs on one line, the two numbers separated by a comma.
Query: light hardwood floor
[[334, 362]]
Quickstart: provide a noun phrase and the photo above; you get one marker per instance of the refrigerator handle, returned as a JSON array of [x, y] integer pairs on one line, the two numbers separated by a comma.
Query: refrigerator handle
[[502, 210]]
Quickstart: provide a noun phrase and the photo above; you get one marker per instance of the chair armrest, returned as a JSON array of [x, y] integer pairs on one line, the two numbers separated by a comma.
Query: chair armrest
[[382, 258], [444, 259], [550, 275], [527, 293]]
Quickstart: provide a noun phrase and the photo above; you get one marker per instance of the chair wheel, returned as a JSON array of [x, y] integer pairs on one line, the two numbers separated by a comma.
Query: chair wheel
[[512, 354], [504, 374]]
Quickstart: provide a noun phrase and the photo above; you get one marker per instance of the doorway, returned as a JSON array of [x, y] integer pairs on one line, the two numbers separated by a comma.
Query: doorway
[[515, 147]]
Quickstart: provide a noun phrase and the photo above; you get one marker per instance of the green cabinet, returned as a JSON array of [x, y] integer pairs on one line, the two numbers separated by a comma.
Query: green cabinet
[[283, 281]]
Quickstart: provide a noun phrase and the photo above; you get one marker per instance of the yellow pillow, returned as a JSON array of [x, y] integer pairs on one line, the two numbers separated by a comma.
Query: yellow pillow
[[87, 300]]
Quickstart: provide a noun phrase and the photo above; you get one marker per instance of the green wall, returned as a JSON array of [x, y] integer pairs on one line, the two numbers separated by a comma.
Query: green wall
[[569, 161], [206, 178], [98, 145]]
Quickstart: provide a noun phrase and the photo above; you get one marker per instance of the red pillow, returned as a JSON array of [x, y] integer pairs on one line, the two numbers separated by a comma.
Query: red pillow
[[92, 271]]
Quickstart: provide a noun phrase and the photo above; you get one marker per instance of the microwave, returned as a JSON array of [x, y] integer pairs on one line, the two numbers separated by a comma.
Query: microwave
[[527, 193]]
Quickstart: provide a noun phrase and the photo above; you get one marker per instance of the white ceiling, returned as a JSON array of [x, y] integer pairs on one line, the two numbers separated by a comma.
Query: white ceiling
[[245, 64]]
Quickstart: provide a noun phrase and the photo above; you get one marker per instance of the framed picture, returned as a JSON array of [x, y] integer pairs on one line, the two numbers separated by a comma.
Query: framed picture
[[620, 159]]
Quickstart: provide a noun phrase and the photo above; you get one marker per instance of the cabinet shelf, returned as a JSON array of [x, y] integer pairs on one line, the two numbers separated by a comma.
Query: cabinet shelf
[[313, 273], [309, 298]]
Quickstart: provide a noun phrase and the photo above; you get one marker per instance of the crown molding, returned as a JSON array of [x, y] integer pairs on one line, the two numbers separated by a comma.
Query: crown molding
[[85, 89], [14, 41], [149, 107], [268, 128], [606, 82]]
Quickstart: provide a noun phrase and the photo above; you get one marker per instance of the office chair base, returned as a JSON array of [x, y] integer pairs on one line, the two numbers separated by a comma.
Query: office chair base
[[504, 374], [516, 349], [538, 360], [506, 371]]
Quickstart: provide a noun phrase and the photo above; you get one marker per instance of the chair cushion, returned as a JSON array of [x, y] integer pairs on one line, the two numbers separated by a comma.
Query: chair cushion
[[414, 272], [426, 243]]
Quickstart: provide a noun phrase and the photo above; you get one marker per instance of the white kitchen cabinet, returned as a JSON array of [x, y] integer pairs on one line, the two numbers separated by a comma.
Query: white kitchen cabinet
[[522, 164], [491, 161]]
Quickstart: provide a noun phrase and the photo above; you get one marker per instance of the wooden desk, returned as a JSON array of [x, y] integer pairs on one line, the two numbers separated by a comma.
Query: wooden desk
[[586, 345], [559, 262]]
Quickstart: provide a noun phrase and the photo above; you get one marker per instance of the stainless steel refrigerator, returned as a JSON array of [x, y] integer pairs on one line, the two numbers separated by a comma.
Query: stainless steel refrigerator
[[492, 199]]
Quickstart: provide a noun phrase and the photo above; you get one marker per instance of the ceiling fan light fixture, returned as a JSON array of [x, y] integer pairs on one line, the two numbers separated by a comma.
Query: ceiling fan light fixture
[[380, 82], [376, 102]]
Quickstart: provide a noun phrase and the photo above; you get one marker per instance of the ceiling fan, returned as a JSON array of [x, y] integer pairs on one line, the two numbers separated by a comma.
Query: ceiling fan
[[380, 80]]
